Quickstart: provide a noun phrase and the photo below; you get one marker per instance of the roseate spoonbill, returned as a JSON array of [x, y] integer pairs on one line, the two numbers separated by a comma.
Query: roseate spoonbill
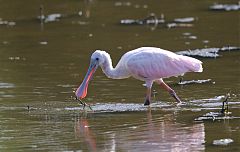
[[148, 64]]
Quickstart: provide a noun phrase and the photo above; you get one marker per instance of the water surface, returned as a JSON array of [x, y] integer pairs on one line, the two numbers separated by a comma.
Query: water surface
[[42, 64]]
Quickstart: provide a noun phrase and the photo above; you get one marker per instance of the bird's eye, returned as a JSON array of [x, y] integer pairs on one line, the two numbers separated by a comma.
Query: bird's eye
[[97, 59]]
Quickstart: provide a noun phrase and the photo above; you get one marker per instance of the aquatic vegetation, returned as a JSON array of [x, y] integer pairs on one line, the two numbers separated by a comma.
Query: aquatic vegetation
[[225, 107], [4, 85], [184, 20], [7, 23], [207, 52], [213, 116], [17, 58], [174, 25], [55, 16], [153, 19], [50, 18], [181, 22], [43, 42], [195, 81], [225, 7], [223, 113], [122, 4], [187, 35], [222, 141], [129, 4], [83, 104]]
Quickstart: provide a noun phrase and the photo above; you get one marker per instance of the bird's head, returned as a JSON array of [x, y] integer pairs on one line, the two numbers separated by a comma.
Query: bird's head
[[97, 59]]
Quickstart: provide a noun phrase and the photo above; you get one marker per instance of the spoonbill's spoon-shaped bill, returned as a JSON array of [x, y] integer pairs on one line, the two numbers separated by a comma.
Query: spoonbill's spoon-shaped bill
[[81, 92]]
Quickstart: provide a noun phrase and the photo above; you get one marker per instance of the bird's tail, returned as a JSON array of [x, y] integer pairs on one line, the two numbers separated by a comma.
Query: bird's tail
[[193, 64], [198, 67]]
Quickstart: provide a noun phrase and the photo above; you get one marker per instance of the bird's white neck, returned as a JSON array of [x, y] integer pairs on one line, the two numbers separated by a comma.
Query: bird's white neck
[[119, 72]]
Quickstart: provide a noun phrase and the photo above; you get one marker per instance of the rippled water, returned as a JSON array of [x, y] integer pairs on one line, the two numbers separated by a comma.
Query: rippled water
[[42, 63]]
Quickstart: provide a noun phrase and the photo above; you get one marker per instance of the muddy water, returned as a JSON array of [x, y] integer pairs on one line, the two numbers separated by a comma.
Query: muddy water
[[42, 63]]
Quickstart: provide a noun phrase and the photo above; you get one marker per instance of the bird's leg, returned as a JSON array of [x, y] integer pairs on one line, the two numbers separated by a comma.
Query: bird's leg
[[148, 93], [148, 97], [170, 90]]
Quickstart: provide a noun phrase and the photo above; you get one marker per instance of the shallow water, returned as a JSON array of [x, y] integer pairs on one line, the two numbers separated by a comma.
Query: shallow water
[[42, 64]]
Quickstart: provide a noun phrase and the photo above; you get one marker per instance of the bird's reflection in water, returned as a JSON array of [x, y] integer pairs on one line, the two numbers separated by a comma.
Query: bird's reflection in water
[[164, 134], [153, 132], [168, 134], [83, 131]]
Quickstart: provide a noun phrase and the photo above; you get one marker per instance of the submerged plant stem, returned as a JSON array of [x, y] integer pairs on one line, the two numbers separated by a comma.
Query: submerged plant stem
[[83, 103]]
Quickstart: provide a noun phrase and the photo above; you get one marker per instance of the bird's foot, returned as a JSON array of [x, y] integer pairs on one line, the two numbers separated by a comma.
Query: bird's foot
[[83, 104], [147, 102], [174, 95]]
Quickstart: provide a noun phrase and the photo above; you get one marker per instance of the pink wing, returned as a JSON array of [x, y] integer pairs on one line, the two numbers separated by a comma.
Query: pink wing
[[157, 63]]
